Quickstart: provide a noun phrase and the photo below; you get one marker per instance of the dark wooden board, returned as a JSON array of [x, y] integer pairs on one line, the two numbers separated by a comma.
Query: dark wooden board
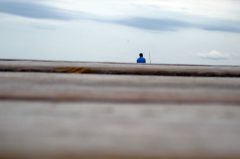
[[111, 68]]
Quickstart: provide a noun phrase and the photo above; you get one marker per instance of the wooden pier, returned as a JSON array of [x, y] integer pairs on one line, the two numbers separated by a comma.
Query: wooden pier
[[62, 110]]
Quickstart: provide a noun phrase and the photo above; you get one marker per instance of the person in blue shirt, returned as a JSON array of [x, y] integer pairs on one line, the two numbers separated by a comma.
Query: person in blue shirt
[[141, 59]]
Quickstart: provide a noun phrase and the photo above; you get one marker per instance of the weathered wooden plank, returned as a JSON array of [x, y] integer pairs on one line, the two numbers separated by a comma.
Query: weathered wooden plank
[[115, 88], [113, 68], [107, 130]]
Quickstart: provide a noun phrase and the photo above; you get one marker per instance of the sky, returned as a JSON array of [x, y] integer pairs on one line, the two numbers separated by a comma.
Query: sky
[[165, 31]]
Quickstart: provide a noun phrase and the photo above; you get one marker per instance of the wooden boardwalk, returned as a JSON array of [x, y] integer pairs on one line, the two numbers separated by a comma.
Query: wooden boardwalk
[[66, 110]]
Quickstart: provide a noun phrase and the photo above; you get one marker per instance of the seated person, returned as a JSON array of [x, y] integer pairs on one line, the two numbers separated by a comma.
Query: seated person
[[141, 59]]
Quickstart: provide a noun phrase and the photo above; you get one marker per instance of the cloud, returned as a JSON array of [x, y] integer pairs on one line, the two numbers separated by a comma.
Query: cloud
[[223, 28], [153, 23], [171, 24], [220, 25], [160, 21], [214, 55], [34, 10]]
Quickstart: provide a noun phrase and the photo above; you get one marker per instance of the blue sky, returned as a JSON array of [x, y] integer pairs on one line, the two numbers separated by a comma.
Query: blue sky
[[174, 31]]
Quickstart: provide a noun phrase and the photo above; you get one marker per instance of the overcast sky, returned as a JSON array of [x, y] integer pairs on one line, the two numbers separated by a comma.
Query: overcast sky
[[166, 31]]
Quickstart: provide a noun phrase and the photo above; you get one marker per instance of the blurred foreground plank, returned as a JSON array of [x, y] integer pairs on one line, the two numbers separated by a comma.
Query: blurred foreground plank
[[76, 110], [107, 130], [116, 88]]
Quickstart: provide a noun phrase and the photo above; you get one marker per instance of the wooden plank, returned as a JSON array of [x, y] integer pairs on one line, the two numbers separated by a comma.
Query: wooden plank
[[116, 88], [110, 130], [111, 68], [100, 114]]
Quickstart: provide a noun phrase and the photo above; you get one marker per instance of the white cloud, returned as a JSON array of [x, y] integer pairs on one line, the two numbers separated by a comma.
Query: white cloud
[[225, 9], [142, 14], [214, 55]]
